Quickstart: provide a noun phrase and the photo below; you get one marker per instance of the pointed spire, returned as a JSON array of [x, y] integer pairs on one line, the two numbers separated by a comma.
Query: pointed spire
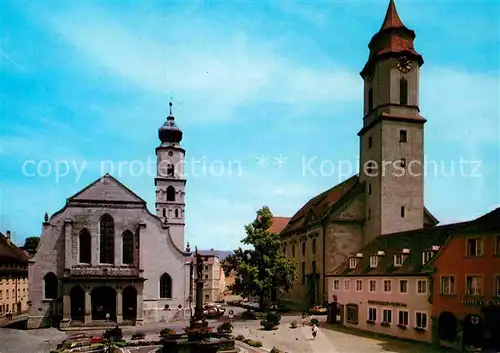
[[392, 19], [170, 104]]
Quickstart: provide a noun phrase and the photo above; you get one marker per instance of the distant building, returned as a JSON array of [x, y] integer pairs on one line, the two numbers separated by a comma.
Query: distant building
[[104, 255], [13, 277], [213, 276], [387, 196]]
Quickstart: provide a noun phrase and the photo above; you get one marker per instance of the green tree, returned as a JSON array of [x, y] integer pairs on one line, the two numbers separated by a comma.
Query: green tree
[[262, 268], [30, 244]]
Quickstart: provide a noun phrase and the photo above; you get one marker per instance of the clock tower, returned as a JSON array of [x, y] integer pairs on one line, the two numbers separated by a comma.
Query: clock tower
[[170, 182], [392, 137]]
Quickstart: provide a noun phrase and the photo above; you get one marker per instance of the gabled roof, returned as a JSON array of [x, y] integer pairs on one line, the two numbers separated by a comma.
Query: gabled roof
[[106, 189], [318, 206], [279, 223], [417, 241], [8, 249]]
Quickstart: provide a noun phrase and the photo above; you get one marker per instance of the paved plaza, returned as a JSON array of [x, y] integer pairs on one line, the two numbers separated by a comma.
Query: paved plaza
[[329, 340]]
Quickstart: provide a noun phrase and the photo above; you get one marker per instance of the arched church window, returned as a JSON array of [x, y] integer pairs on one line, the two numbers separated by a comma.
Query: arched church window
[[176, 213], [128, 247], [370, 99], [304, 248], [314, 267], [403, 91], [50, 285], [314, 246], [402, 211], [85, 242], [170, 193], [170, 170], [165, 286], [293, 250], [107, 240]]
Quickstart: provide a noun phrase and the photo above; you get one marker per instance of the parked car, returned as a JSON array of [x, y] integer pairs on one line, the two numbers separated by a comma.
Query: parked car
[[213, 310]]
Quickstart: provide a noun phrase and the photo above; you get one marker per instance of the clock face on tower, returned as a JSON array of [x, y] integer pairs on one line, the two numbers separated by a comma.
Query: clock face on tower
[[403, 64]]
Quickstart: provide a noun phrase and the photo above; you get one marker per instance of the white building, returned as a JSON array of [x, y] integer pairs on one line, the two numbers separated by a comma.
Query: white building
[[105, 255]]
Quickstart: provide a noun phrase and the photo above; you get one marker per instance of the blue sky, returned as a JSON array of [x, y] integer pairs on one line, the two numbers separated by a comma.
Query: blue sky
[[85, 82]]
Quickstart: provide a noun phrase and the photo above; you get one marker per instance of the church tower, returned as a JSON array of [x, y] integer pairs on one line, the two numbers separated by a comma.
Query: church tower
[[170, 182], [392, 137]]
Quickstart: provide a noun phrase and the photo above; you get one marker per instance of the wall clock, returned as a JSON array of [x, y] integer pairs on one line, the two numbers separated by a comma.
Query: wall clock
[[403, 64]]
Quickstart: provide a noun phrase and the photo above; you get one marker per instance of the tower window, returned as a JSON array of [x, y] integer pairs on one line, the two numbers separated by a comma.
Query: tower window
[[370, 169], [164, 213], [402, 211], [170, 193], [170, 170], [403, 136], [403, 91], [176, 213], [369, 214], [370, 142], [370, 99], [402, 163], [304, 249], [369, 189]]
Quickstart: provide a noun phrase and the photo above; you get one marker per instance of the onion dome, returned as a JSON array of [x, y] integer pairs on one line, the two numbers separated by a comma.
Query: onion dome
[[169, 132]]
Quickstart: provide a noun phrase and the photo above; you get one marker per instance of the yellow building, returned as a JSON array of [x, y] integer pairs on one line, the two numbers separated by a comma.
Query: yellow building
[[13, 277]]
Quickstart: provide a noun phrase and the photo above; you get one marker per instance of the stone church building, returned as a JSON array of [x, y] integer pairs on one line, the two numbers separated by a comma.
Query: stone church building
[[104, 256], [387, 195]]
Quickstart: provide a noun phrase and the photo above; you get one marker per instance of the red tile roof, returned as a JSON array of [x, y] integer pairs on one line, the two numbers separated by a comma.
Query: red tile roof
[[8, 249], [278, 224], [319, 205]]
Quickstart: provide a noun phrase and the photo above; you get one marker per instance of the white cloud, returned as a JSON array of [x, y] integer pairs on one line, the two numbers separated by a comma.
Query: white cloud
[[231, 71]]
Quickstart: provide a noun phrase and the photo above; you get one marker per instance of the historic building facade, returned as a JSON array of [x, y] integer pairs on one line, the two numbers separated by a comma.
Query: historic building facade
[[387, 195], [13, 277], [104, 256], [466, 291], [438, 284]]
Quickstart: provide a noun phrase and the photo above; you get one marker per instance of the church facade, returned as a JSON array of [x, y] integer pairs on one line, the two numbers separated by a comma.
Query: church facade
[[104, 257], [387, 195]]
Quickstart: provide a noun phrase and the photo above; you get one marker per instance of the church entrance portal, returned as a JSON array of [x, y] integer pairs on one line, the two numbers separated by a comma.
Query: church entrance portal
[[103, 302], [129, 300], [77, 300]]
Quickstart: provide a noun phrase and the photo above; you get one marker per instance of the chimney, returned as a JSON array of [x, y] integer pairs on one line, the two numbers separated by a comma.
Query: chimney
[[8, 237]]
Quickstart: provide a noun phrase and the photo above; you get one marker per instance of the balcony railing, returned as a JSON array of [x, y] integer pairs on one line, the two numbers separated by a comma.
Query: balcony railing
[[103, 272]]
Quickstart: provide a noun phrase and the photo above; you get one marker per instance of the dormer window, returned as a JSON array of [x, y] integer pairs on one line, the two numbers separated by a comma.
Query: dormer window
[[398, 260], [426, 256], [373, 261], [353, 262]]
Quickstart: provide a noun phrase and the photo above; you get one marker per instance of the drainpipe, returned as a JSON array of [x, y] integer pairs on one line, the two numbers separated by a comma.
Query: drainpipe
[[323, 227]]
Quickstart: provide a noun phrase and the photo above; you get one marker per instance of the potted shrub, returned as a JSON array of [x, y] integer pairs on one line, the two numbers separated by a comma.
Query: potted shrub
[[420, 329], [248, 315], [167, 332], [402, 327], [113, 334], [225, 327], [385, 324], [138, 336], [370, 322], [271, 321], [294, 324], [315, 322]]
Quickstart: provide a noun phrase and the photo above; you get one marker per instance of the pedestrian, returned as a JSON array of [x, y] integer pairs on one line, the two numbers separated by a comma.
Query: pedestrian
[[314, 331]]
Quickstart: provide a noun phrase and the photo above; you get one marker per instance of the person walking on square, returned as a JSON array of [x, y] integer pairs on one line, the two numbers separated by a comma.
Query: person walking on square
[[314, 331]]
